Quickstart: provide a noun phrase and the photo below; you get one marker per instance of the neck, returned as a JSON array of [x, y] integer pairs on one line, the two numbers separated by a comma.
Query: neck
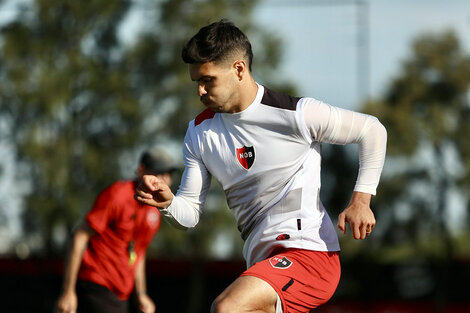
[[248, 94]]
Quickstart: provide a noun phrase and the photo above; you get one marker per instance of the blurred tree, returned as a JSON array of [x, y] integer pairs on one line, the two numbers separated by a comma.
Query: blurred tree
[[83, 102], [427, 114], [426, 111], [339, 168], [72, 109]]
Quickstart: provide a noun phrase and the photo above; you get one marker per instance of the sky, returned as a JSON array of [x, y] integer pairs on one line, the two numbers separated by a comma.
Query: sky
[[321, 47], [324, 60], [321, 53]]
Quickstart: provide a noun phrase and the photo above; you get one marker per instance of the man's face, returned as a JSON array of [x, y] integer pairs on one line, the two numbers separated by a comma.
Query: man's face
[[217, 86]]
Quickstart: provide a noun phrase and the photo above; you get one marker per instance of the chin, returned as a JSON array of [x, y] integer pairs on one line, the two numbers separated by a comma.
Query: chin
[[214, 107], [217, 110]]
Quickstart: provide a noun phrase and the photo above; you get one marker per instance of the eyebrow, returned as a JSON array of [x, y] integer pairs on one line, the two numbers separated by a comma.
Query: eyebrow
[[202, 78]]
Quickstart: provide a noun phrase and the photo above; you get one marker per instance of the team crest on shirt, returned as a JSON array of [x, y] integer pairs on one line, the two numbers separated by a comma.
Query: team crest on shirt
[[280, 262], [246, 156]]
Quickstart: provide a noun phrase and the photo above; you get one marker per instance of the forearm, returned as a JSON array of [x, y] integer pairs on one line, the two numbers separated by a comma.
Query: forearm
[[186, 207], [182, 213], [140, 278], [372, 147], [74, 260], [338, 126]]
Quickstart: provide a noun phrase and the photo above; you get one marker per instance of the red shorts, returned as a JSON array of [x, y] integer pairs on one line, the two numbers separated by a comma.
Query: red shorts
[[303, 279]]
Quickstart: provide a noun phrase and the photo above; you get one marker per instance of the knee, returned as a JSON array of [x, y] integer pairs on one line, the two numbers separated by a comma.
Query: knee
[[223, 305]]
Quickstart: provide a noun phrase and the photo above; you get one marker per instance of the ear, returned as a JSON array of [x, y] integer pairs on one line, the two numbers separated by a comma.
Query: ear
[[240, 68]]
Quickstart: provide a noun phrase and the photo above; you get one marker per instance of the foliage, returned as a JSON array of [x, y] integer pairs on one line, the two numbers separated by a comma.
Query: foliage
[[427, 114], [83, 103]]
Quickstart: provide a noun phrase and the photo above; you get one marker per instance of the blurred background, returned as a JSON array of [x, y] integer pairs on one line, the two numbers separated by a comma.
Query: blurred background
[[86, 86]]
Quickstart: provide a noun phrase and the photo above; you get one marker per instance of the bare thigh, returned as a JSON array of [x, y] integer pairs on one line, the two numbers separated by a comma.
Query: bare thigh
[[246, 294]]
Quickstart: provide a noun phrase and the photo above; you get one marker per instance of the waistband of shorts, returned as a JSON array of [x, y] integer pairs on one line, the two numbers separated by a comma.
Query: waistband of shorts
[[284, 250]]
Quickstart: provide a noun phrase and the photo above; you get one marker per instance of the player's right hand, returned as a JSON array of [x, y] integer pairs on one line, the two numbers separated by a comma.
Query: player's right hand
[[67, 303], [153, 191]]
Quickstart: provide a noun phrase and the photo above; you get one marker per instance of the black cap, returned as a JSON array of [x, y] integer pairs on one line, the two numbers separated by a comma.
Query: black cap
[[157, 161]]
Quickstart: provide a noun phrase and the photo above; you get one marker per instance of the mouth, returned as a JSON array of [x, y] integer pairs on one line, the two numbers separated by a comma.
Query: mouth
[[206, 101]]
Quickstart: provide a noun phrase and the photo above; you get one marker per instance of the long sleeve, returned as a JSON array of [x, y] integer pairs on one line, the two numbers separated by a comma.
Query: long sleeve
[[185, 210], [334, 125]]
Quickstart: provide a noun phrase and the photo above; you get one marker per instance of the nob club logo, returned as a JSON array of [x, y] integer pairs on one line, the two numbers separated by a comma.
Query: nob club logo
[[280, 262], [246, 156]]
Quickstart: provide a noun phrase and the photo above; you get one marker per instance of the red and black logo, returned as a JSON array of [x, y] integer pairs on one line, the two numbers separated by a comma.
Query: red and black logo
[[280, 262], [246, 156], [283, 237]]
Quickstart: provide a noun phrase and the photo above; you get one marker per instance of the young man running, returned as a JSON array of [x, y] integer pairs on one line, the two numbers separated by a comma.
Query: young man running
[[264, 149]]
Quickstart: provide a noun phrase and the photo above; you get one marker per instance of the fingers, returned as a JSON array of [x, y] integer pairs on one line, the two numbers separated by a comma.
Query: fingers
[[364, 230], [150, 183], [342, 223], [153, 199], [369, 229], [147, 184], [356, 231], [140, 194], [146, 187], [153, 191], [145, 200], [359, 229]]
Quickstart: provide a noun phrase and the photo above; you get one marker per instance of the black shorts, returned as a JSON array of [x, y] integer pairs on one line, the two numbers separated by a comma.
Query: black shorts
[[94, 298]]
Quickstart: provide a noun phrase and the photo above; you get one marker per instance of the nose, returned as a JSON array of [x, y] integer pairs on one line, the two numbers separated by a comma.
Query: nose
[[201, 90]]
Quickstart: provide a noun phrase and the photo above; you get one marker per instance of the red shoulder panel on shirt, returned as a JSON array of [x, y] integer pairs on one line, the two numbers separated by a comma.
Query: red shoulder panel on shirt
[[204, 115]]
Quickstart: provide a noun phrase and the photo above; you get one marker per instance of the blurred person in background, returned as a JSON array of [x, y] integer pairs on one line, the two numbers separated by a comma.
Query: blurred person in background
[[265, 150], [106, 263]]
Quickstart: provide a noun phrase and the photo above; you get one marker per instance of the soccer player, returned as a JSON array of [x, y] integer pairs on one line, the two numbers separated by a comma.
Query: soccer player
[[107, 257], [264, 149]]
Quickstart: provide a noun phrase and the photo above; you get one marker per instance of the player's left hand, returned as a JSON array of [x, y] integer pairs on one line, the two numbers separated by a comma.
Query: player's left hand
[[359, 216], [145, 303]]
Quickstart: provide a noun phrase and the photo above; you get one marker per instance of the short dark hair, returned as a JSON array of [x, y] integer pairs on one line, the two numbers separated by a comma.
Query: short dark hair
[[216, 42]]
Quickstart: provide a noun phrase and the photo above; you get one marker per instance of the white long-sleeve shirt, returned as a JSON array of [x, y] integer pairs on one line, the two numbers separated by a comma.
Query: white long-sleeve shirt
[[267, 159]]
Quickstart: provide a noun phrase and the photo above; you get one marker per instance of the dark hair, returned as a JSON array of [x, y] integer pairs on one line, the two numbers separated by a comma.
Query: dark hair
[[216, 42]]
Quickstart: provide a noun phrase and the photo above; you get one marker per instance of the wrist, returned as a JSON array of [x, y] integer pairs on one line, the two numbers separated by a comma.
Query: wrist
[[361, 197], [68, 287], [68, 291], [167, 204]]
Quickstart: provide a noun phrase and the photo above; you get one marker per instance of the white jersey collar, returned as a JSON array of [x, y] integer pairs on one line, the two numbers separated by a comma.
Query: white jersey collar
[[251, 107]]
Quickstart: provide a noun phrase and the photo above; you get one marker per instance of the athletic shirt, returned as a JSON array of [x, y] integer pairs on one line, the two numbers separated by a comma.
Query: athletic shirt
[[119, 221], [267, 159]]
